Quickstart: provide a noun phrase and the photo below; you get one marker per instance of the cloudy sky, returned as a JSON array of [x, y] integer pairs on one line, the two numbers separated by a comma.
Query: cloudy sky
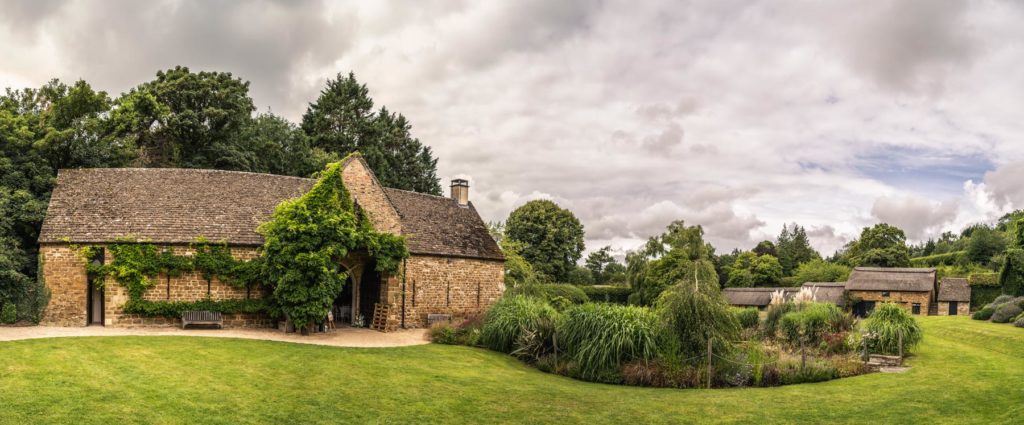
[[736, 115]]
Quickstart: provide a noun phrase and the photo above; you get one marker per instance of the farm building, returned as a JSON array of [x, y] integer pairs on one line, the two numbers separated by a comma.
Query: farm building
[[954, 297], [828, 292], [910, 288], [455, 267], [755, 297]]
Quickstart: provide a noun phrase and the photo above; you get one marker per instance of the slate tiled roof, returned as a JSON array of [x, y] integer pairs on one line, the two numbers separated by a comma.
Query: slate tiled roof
[[170, 205], [755, 297], [438, 225], [828, 292], [891, 279], [954, 289]]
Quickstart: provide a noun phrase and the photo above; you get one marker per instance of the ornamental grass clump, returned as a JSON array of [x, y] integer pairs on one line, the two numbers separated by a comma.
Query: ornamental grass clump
[[812, 322], [748, 317], [772, 317], [603, 337], [509, 317], [692, 316], [887, 326], [550, 291]]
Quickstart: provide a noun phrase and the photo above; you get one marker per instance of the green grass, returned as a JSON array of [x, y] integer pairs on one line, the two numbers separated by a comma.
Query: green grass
[[965, 372]]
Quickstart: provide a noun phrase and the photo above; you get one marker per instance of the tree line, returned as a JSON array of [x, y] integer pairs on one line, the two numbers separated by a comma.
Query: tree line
[[181, 119]]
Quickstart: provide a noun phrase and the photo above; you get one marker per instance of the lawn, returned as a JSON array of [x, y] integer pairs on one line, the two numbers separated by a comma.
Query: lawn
[[965, 372]]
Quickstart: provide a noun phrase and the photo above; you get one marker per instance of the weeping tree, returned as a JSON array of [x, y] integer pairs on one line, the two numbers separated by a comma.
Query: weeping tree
[[306, 239], [694, 310]]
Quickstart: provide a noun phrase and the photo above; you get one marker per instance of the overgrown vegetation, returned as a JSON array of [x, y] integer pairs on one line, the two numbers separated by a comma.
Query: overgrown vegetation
[[888, 326], [600, 338]]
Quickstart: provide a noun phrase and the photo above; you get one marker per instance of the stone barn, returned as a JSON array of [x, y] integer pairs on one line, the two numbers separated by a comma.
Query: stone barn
[[455, 267], [755, 297], [954, 297], [910, 288]]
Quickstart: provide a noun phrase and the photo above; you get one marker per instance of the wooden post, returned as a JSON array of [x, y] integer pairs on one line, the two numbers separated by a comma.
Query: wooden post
[[901, 345], [709, 363]]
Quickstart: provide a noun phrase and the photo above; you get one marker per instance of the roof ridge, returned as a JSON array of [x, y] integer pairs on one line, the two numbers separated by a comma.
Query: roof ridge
[[190, 170], [419, 193]]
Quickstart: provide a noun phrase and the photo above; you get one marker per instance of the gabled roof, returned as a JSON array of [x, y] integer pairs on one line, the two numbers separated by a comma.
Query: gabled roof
[[828, 292], [172, 205], [755, 297], [954, 289], [891, 279]]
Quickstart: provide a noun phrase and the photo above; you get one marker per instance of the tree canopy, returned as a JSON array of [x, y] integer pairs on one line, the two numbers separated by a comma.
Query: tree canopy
[[881, 245], [794, 248], [551, 237]]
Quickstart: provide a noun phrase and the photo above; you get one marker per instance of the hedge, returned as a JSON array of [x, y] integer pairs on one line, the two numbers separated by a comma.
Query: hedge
[[174, 309], [949, 259], [549, 291], [983, 279], [982, 295], [608, 294]]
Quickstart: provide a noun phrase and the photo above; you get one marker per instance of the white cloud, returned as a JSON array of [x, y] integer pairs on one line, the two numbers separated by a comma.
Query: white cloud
[[918, 217]]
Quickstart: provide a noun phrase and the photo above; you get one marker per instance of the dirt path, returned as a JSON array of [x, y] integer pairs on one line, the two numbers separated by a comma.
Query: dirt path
[[344, 337]]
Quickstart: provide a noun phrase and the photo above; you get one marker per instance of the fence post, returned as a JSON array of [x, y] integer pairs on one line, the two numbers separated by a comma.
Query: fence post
[[709, 362], [901, 345]]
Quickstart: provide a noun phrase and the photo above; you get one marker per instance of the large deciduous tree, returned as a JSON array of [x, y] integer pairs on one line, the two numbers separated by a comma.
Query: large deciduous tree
[[603, 266], [187, 119], [794, 248], [551, 237], [881, 245], [342, 120], [750, 269]]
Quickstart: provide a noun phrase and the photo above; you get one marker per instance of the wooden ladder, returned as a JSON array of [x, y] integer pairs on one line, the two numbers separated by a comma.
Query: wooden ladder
[[380, 317]]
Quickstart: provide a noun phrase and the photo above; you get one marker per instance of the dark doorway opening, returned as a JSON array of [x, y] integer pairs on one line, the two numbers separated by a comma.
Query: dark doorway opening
[[369, 290], [952, 308], [863, 308], [94, 303], [343, 304], [915, 308]]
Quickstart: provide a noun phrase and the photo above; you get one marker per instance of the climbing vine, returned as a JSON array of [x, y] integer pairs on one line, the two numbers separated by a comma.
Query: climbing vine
[[307, 237]]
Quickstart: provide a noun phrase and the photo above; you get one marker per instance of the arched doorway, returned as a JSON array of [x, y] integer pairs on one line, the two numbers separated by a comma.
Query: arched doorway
[[369, 290]]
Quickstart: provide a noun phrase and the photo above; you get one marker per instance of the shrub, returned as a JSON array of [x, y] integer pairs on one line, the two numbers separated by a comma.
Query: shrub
[[983, 295], [602, 337], [791, 372], [748, 317], [1019, 322], [8, 314], [1005, 312], [1000, 300], [984, 313], [508, 317], [608, 294], [549, 291], [692, 316], [811, 323], [443, 333], [537, 341], [660, 374], [886, 325], [771, 320]]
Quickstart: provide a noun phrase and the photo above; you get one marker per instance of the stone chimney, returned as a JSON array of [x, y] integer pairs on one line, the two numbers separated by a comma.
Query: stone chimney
[[460, 191]]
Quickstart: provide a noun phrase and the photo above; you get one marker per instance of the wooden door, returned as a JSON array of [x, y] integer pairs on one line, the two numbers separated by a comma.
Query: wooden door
[[952, 308]]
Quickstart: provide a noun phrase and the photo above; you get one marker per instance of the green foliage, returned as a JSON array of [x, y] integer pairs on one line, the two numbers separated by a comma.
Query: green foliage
[[818, 270], [1006, 312], [608, 294], [510, 317], [603, 337], [444, 333], [983, 279], [307, 237], [551, 237], [984, 314], [881, 245], [283, 148], [982, 295], [580, 276], [792, 372], [550, 291], [518, 271], [948, 258], [809, 323], [175, 308], [984, 244], [885, 327], [604, 268], [794, 248], [679, 253], [773, 316], [186, 119], [1011, 277], [342, 121], [8, 313], [692, 316], [1019, 321], [765, 248], [747, 317], [754, 270]]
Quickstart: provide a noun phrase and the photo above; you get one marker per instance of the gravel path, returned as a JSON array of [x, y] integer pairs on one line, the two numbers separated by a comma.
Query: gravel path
[[343, 337]]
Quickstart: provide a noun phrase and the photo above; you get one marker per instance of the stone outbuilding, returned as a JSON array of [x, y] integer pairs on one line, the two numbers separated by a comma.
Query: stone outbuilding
[[911, 288], [954, 297], [755, 297], [455, 267], [828, 292]]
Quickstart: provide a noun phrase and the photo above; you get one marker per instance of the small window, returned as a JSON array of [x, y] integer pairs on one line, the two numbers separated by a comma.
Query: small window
[[885, 293], [915, 308]]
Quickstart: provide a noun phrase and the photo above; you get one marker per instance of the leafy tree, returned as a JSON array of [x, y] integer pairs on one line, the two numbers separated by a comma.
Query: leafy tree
[[518, 271], [551, 237], [881, 245], [694, 311], [1011, 277], [282, 148], [186, 119], [984, 243], [749, 269], [820, 271], [677, 255], [794, 247], [580, 276], [342, 121], [603, 266], [766, 248]]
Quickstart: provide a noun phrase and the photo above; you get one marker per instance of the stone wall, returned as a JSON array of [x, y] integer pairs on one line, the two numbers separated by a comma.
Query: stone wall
[[446, 285], [963, 308], [902, 299], [363, 187], [66, 278]]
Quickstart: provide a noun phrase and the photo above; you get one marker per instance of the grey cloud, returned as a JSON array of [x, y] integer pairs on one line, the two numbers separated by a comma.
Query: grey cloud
[[1005, 185], [915, 215]]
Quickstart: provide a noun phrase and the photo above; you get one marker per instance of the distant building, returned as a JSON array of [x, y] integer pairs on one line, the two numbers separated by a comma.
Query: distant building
[[954, 297], [829, 292], [755, 297], [910, 288]]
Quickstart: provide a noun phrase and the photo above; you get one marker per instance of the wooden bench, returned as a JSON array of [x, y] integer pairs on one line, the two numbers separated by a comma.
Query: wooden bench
[[207, 318]]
